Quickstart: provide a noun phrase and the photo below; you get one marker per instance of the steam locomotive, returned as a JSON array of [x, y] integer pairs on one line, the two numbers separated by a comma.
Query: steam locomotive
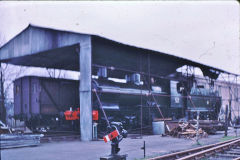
[[135, 101]]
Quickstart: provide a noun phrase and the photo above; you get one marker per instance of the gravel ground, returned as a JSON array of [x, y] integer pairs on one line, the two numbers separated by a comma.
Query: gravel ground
[[155, 145]]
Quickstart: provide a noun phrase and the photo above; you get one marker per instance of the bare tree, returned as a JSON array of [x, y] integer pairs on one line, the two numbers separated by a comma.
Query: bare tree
[[2, 109], [8, 73], [2, 97]]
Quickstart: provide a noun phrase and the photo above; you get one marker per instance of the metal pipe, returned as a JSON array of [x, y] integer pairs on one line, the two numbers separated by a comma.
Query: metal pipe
[[226, 121], [144, 149], [197, 135], [149, 89], [141, 98], [100, 104]]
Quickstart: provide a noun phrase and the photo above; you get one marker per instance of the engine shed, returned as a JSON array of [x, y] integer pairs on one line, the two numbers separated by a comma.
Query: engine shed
[[94, 55]]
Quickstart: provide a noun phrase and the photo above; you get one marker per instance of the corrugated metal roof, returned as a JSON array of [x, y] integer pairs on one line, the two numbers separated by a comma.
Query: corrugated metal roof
[[208, 69]]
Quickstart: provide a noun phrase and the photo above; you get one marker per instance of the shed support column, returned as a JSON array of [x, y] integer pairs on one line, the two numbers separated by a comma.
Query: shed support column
[[85, 61]]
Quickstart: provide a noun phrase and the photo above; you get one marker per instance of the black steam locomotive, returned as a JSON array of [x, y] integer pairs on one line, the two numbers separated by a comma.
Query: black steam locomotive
[[136, 101]]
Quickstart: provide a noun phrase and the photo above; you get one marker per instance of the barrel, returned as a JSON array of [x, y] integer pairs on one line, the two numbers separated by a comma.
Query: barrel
[[158, 127]]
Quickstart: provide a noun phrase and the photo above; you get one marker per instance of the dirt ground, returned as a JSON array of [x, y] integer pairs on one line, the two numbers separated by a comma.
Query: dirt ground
[[77, 150]]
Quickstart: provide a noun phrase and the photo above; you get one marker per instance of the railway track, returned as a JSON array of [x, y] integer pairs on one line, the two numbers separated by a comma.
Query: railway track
[[220, 151], [60, 136]]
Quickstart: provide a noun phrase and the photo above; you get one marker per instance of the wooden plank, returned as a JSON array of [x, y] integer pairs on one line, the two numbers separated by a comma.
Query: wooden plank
[[50, 96]]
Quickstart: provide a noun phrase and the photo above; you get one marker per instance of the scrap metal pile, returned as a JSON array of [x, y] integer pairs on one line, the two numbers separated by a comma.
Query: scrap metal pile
[[11, 139], [184, 130], [19, 140], [4, 129], [210, 126]]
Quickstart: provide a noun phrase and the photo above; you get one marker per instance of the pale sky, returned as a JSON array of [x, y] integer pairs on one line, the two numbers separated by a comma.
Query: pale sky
[[206, 32]]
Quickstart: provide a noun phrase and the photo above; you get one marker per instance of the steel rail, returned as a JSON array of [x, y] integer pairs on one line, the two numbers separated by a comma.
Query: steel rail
[[237, 158], [210, 151], [191, 151]]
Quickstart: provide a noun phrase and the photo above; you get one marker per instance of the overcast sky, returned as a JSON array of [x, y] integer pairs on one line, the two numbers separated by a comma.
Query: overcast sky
[[206, 32]]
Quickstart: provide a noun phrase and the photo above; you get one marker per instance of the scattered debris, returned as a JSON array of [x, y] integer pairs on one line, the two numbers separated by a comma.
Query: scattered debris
[[184, 129], [4, 129], [210, 126], [10, 138]]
